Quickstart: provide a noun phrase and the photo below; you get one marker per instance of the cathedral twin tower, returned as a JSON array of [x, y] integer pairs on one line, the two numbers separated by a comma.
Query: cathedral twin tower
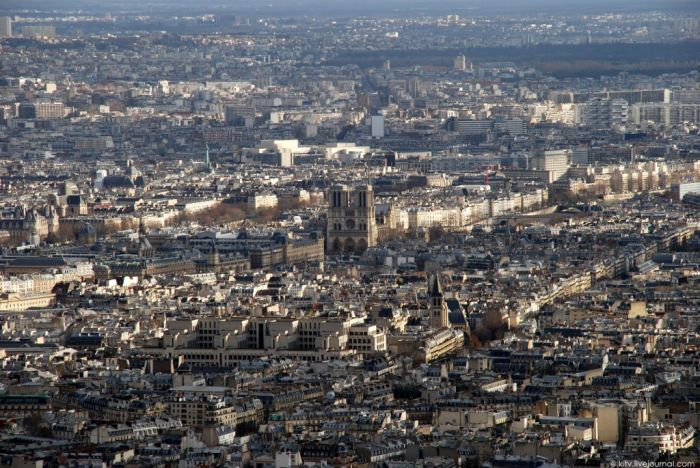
[[352, 226]]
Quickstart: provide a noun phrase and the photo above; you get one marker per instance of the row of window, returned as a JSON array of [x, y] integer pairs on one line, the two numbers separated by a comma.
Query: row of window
[[363, 348], [213, 357], [350, 225], [358, 340]]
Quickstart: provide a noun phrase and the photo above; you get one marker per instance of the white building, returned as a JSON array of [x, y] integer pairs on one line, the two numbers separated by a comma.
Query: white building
[[277, 152], [605, 113], [662, 437], [261, 201], [377, 126], [557, 162], [5, 26]]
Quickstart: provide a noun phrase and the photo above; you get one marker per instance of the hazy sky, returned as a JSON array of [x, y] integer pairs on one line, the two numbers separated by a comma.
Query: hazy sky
[[357, 7]]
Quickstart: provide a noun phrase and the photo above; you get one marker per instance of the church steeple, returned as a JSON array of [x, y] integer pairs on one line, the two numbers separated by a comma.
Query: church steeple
[[145, 249], [213, 258], [436, 301]]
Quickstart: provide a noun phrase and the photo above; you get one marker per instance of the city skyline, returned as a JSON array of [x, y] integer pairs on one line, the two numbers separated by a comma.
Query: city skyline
[[362, 8]]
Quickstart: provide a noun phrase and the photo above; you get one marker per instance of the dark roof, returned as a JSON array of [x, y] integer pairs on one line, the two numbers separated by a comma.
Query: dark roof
[[90, 340], [34, 261], [24, 399], [453, 305], [117, 181], [457, 318]]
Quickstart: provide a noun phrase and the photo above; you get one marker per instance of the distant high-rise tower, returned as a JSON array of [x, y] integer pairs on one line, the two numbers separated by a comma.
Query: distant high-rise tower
[[437, 306], [41, 30], [352, 226], [460, 63], [414, 86], [5, 26], [605, 113], [556, 162], [240, 115], [377, 126]]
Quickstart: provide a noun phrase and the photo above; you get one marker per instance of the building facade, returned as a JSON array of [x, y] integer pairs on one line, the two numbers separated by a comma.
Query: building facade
[[352, 226]]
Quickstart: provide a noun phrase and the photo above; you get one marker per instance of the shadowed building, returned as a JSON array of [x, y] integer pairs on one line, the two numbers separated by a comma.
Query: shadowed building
[[22, 222]]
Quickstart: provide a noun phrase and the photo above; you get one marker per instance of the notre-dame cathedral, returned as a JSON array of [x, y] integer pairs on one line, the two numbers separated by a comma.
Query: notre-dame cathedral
[[352, 227]]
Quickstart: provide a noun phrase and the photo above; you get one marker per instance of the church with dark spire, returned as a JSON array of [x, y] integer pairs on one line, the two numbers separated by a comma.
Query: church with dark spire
[[436, 303], [145, 249]]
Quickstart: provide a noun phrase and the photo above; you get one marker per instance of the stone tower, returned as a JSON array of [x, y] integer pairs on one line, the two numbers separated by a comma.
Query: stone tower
[[52, 219], [213, 258], [33, 238], [352, 226], [145, 249], [436, 304]]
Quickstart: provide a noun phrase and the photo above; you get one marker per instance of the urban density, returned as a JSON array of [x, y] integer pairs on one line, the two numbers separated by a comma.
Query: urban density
[[369, 234]]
